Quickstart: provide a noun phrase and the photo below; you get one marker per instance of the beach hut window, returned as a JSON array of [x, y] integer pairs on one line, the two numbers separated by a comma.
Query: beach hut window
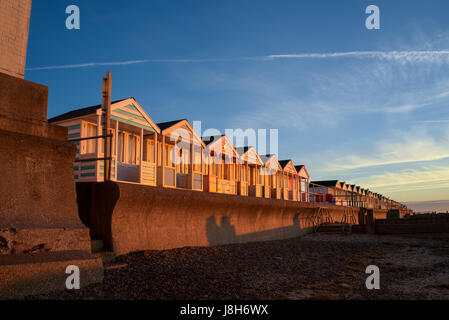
[[273, 180], [148, 150], [183, 166], [197, 158], [219, 169], [132, 149], [227, 174], [185, 160], [130, 155], [159, 154], [169, 156], [228, 171], [91, 131], [128, 148], [120, 153], [303, 185]]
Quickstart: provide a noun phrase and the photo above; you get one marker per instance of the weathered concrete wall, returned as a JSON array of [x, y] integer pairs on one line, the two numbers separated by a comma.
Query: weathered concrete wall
[[432, 224], [412, 228], [40, 173], [40, 230], [14, 25], [23, 100], [37, 187], [130, 217]]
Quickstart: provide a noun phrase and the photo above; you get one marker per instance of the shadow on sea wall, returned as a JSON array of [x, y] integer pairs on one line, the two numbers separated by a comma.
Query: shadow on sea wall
[[131, 217], [224, 232]]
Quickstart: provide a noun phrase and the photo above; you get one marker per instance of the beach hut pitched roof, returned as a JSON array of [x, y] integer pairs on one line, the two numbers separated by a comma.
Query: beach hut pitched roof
[[242, 150], [288, 166], [169, 126], [328, 183], [210, 139], [165, 125], [249, 154], [302, 171], [79, 112], [125, 110], [271, 161], [284, 163], [220, 144]]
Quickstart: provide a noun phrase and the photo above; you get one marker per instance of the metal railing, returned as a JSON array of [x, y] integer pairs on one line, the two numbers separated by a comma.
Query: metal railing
[[97, 138]]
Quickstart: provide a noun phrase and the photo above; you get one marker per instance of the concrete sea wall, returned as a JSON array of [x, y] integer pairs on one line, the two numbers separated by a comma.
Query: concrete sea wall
[[130, 217]]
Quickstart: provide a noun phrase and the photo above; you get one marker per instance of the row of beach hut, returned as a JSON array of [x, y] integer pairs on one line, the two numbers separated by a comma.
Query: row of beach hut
[[172, 155]]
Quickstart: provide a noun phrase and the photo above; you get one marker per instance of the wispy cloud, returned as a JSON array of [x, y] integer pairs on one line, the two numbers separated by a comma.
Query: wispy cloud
[[401, 56], [433, 121], [440, 56], [411, 164], [404, 147], [125, 63]]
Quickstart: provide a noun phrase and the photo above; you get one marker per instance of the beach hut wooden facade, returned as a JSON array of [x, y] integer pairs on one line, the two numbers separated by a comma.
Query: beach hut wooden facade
[[290, 180], [180, 161], [343, 194], [221, 165], [303, 186], [252, 164], [172, 155], [355, 199], [349, 194], [326, 191], [130, 160], [272, 176]]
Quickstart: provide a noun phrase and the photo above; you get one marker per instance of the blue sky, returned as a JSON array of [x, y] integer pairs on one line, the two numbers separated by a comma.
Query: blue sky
[[367, 106]]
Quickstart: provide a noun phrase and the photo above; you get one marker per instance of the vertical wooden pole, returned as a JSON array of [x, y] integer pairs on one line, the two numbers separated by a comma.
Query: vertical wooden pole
[[116, 150], [298, 179], [97, 145], [106, 106], [192, 150], [282, 184], [163, 160], [141, 155], [155, 154], [247, 178]]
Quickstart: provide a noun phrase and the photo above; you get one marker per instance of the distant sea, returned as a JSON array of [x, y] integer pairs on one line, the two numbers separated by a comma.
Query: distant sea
[[429, 206]]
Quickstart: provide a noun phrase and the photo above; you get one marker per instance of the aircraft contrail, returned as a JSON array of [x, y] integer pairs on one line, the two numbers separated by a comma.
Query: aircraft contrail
[[400, 56]]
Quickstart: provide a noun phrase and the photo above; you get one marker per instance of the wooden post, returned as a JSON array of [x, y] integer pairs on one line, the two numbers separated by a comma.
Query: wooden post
[[116, 149], [141, 155], [298, 186], [163, 160], [281, 176], [192, 150], [155, 158], [106, 107], [97, 145]]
